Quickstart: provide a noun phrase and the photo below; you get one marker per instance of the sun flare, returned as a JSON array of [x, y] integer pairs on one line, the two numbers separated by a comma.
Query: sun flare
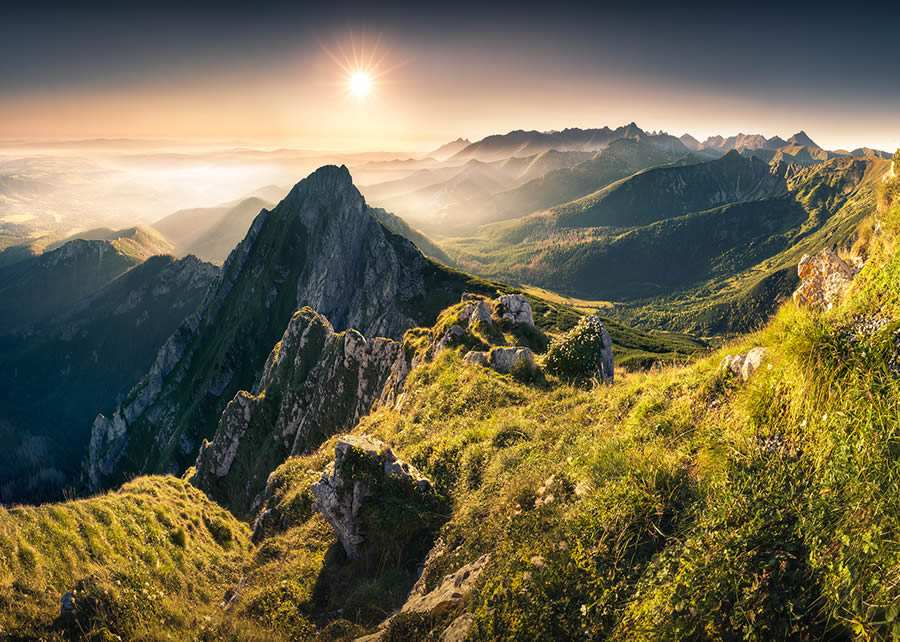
[[360, 83], [365, 63]]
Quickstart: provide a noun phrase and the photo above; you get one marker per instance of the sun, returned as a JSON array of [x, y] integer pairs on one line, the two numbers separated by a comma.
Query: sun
[[364, 63], [361, 83]]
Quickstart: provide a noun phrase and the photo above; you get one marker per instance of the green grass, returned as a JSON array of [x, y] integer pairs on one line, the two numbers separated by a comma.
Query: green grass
[[151, 559], [680, 504]]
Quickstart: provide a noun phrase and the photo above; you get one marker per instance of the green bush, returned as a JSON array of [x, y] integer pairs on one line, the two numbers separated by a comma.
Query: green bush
[[577, 354]]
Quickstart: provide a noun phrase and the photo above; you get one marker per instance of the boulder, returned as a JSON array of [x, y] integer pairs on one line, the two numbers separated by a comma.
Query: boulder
[[451, 337], [474, 311], [505, 359], [514, 308], [824, 279], [67, 603], [744, 365], [479, 358], [360, 464]]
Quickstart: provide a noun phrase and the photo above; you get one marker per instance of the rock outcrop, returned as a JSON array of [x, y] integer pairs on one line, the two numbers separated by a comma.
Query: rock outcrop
[[452, 589], [744, 365], [824, 279], [321, 247], [361, 465], [316, 383], [514, 308], [505, 359]]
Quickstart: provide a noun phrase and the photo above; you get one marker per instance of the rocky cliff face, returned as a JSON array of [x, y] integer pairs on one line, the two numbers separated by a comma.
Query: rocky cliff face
[[316, 383], [321, 247]]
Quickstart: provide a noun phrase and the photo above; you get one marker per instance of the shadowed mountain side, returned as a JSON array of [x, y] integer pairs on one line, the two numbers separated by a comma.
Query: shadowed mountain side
[[54, 379], [39, 287]]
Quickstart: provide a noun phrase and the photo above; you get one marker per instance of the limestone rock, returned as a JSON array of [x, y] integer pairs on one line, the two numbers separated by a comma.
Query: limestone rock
[[315, 383], [67, 603], [451, 590], [478, 358], [360, 462], [474, 311], [458, 629], [824, 279], [505, 359], [450, 338], [514, 308], [744, 365]]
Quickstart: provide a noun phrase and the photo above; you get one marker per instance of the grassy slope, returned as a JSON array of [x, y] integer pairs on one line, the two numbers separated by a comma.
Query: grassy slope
[[684, 505], [729, 283], [678, 505], [153, 558]]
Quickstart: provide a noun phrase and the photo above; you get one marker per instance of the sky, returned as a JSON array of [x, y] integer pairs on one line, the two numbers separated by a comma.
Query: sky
[[277, 74]]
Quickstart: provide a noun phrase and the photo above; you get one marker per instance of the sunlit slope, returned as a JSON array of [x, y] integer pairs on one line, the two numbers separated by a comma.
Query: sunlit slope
[[151, 559], [210, 233], [687, 247]]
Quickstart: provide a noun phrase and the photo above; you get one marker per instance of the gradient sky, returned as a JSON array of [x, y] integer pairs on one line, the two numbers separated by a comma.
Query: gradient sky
[[265, 73]]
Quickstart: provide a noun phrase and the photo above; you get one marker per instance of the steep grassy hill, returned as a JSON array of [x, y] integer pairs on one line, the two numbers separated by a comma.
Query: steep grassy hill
[[679, 505]]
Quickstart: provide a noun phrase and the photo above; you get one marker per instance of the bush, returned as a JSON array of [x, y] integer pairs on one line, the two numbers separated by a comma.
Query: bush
[[578, 354]]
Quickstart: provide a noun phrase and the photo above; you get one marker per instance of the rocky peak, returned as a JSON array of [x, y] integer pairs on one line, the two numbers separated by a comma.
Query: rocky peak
[[802, 139], [320, 247]]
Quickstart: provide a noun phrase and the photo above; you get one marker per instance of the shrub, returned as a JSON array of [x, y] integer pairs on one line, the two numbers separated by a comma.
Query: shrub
[[577, 354]]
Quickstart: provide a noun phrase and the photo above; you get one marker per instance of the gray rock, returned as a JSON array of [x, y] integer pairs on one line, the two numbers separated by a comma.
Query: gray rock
[[474, 311], [505, 359], [478, 358], [824, 279], [451, 590], [744, 365], [458, 629], [67, 603], [514, 308], [315, 383], [450, 338], [340, 498]]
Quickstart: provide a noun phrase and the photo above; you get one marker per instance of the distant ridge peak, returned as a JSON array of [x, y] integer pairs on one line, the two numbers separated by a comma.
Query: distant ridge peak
[[801, 138]]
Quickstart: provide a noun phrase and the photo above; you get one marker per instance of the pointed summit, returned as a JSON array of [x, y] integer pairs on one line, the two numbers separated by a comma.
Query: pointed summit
[[322, 246], [800, 138]]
